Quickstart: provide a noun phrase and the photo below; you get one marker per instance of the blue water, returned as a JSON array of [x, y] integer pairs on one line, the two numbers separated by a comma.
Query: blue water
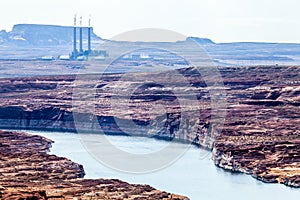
[[191, 175]]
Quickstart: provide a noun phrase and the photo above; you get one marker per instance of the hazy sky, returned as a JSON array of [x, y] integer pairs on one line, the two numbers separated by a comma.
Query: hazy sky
[[220, 20]]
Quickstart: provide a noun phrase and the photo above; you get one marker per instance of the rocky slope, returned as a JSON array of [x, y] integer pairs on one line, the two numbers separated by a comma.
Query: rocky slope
[[28, 172], [261, 133], [258, 135]]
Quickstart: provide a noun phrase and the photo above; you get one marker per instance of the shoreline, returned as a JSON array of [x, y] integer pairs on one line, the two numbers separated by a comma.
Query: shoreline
[[260, 134], [218, 161], [40, 178]]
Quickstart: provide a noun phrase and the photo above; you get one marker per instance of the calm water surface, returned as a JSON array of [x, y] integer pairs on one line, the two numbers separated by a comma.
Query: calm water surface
[[191, 176]]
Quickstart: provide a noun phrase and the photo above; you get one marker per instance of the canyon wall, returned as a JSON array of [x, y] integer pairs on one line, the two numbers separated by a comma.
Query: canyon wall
[[257, 135]]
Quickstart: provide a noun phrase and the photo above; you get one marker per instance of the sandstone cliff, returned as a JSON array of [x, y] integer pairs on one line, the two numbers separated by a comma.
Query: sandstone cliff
[[259, 134]]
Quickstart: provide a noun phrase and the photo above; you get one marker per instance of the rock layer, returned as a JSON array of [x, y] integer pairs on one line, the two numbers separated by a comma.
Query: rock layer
[[28, 172], [259, 134]]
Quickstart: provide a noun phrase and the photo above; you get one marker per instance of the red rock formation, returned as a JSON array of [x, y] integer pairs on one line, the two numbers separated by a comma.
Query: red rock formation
[[28, 172], [261, 128]]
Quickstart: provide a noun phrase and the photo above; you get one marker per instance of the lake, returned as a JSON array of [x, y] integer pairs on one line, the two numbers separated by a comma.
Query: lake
[[191, 175]]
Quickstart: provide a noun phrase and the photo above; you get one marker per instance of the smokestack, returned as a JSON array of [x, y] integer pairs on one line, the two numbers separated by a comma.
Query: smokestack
[[80, 36], [80, 39], [89, 35], [74, 39], [89, 39]]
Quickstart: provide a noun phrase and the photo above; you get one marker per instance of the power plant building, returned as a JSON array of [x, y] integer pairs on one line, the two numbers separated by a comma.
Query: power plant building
[[79, 53]]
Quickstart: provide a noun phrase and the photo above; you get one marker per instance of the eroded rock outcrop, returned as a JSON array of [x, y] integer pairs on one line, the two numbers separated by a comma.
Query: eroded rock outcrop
[[258, 135], [28, 172]]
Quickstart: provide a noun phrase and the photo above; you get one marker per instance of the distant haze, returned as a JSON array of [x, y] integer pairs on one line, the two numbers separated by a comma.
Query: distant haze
[[219, 20]]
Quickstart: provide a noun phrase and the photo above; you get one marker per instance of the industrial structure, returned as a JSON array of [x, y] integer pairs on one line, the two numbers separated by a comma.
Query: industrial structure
[[79, 54]]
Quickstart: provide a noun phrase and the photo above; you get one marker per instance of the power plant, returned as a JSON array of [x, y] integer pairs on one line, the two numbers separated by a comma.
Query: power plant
[[81, 53]]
